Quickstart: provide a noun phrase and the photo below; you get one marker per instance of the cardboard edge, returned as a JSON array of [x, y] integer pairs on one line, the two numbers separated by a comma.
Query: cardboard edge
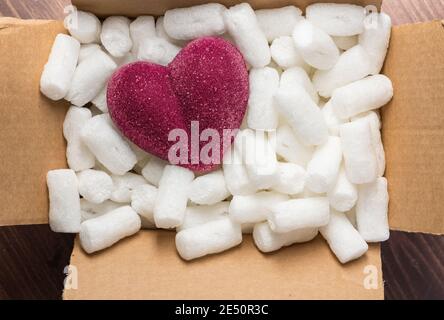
[[133, 8]]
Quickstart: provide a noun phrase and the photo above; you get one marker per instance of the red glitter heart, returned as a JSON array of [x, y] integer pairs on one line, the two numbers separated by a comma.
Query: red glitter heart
[[206, 82]]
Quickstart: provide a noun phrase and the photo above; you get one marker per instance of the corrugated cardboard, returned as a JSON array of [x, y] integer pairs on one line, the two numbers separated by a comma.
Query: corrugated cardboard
[[31, 139], [134, 8], [146, 265], [413, 128]]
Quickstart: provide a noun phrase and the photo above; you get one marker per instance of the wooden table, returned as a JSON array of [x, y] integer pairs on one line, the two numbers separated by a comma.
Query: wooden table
[[32, 258]]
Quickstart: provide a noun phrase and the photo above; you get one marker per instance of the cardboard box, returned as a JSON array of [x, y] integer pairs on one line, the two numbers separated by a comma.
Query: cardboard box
[[147, 265]]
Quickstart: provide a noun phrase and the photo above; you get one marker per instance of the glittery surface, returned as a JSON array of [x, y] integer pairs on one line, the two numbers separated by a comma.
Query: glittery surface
[[206, 82]]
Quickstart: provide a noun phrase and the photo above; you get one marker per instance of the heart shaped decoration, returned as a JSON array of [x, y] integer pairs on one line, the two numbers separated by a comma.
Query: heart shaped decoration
[[202, 93]]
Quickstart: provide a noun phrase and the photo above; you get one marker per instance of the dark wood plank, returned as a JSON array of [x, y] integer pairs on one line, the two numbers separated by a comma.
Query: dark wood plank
[[32, 262], [33, 258], [33, 9], [413, 266], [413, 11]]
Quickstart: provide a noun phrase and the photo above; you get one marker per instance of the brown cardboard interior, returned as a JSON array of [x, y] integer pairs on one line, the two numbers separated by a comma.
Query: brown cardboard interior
[[413, 128], [147, 265], [31, 138], [134, 8]]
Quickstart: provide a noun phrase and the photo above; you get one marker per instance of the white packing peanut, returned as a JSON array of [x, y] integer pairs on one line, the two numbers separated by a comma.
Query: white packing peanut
[[359, 155], [124, 185], [298, 76], [262, 114], [153, 170], [375, 126], [90, 77], [64, 201], [344, 194], [172, 196], [109, 147], [360, 96], [126, 59], [211, 237], [303, 115], [209, 188], [161, 33], [323, 168], [275, 66], [157, 50], [315, 46], [242, 25], [104, 231], [87, 49], [141, 163], [337, 19], [247, 228], [353, 65], [198, 215], [291, 179], [266, 240], [279, 21], [78, 156], [259, 156], [376, 38], [140, 154], [347, 42], [100, 100], [374, 116], [235, 173], [84, 26], [290, 148], [331, 119], [91, 210], [147, 223], [59, 70], [351, 216], [299, 214], [95, 186], [229, 38], [254, 208], [115, 36], [195, 22], [371, 211], [284, 53], [307, 193], [101, 167], [142, 27], [143, 199], [344, 240]]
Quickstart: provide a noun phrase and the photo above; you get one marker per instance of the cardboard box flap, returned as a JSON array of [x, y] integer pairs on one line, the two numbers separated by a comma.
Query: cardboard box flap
[[31, 137], [146, 266], [134, 8], [413, 128]]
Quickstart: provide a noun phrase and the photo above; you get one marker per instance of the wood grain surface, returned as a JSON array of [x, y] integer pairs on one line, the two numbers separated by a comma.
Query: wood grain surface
[[32, 258]]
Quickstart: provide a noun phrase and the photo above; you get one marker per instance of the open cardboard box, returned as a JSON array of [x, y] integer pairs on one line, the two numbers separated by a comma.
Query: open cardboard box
[[147, 265]]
